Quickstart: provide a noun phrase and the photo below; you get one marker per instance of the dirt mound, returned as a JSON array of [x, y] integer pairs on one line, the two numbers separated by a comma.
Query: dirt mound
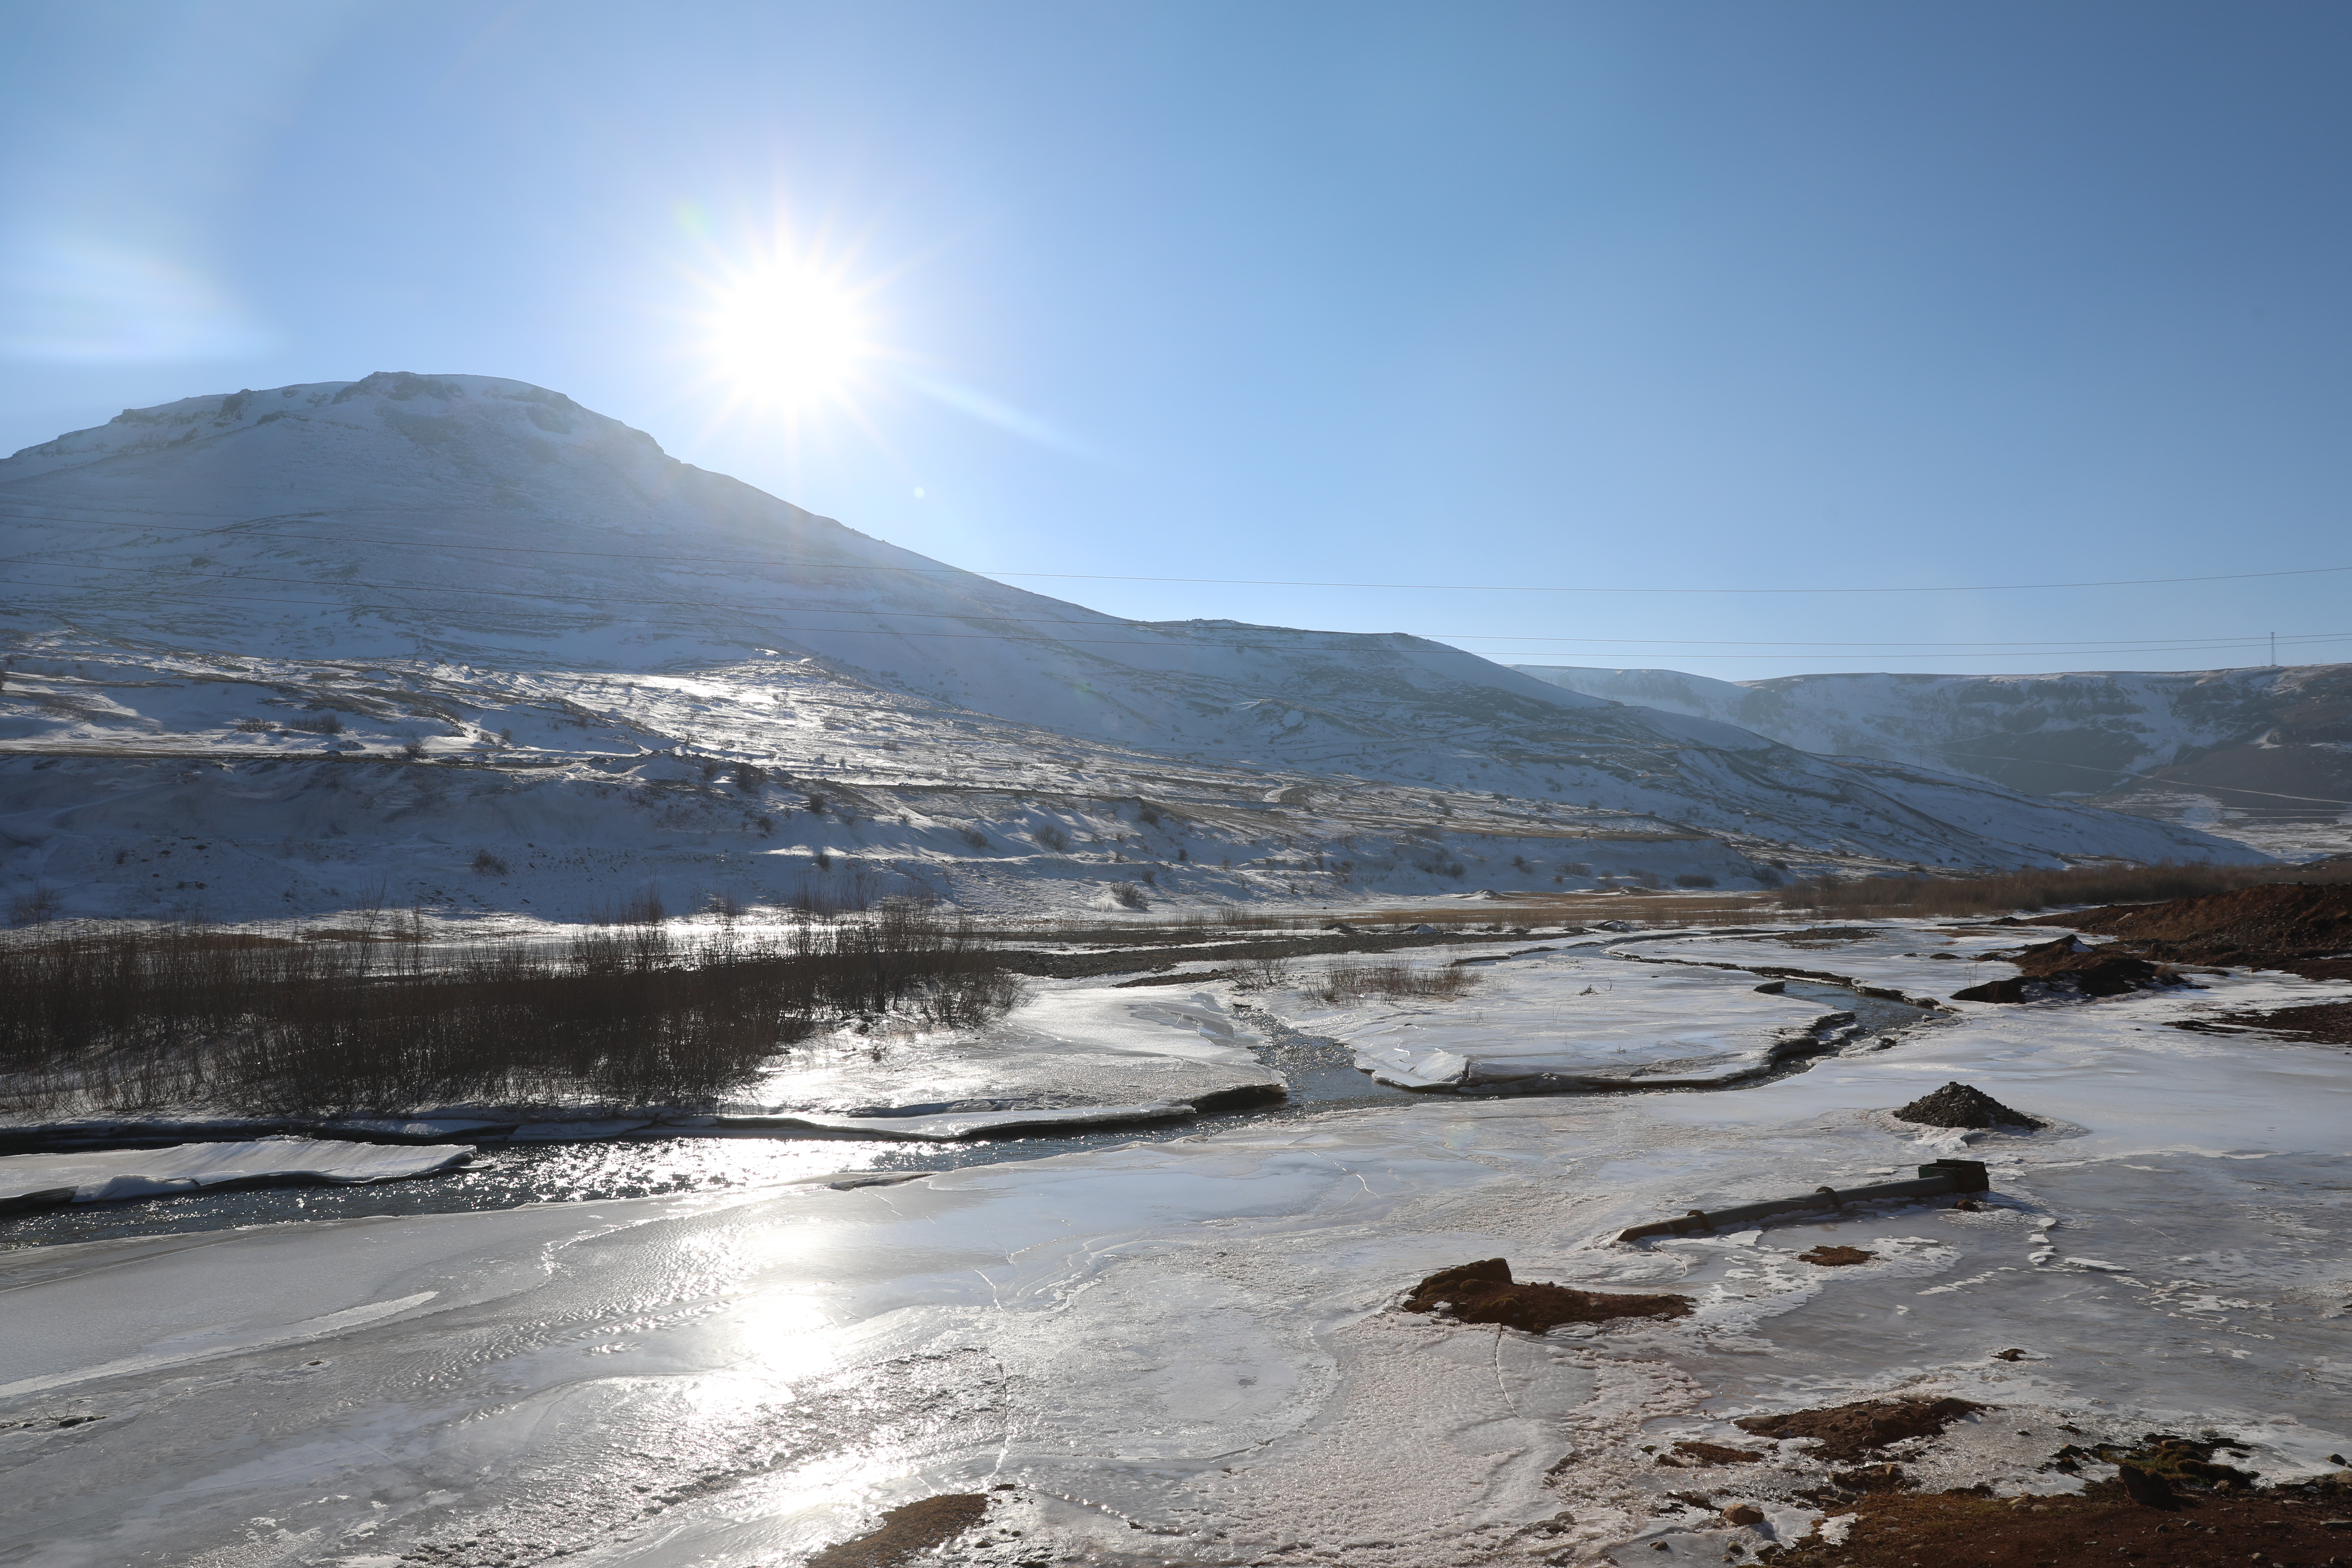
[[1958, 1105], [1835, 1257], [1484, 1292], [906, 1532], [2068, 967], [2305, 928], [1849, 1432]]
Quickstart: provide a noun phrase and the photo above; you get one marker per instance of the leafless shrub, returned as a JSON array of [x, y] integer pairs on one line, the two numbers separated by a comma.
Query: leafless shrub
[[1264, 972], [413, 749], [628, 1016], [1128, 896], [2041, 889], [1694, 879], [324, 725], [486, 864], [973, 837], [1054, 839], [725, 906], [749, 777], [37, 908], [1347, 983], [256, 727]]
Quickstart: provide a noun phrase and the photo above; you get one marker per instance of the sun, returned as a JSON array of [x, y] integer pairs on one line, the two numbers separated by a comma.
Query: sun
[[788, 337]]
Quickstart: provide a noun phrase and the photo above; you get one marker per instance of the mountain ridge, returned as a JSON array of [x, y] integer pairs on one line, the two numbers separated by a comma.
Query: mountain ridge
[[444, 564]]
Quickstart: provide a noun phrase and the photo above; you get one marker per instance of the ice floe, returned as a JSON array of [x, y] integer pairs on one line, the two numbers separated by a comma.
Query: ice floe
[[112, 1176]]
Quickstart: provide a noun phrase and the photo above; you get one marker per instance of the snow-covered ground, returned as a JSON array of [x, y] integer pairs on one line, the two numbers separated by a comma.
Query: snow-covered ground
[[1189, 1351], [458, 642]]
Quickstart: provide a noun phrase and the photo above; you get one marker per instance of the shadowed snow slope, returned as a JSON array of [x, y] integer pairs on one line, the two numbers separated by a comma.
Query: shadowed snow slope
[[430, 568], [2263, 753]]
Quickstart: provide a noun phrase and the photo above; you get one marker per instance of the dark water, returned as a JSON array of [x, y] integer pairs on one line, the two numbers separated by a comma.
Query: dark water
[[1321, 1073]]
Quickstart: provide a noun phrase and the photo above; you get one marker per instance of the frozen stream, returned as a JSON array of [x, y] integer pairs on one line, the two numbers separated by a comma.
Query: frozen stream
[[1185, 1348], [1321, 1077]]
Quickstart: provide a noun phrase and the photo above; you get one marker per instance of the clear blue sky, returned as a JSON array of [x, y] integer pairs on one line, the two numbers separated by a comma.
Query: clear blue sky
[[1652, 295]]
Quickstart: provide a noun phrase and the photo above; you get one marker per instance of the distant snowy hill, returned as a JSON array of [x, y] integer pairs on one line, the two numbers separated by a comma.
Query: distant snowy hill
[[463, 614], [2263, 753]]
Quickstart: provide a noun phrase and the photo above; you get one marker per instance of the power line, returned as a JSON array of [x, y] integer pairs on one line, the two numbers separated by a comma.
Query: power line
[[1224, 581], [2179, 644]]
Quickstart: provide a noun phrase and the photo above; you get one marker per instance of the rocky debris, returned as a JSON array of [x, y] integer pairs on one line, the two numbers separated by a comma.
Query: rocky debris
[[1873, 1478], [1743, 1513], [1849, 1432], [1959, 1105], [2302, 927], [1484, 1292], [906, 1532], [2070, 967], [2322, 1023], [1835, 1257], [1899, 1529], [2012, 1355], [1699, 1456], [2166, 1460], [2145, 1489]]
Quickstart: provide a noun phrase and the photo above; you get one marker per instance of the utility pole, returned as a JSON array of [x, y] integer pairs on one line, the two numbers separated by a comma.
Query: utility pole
[[2275, 650]]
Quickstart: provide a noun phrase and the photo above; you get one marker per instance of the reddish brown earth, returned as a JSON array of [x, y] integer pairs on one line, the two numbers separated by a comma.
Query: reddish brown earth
[[1835, 1257], [2302, 927], [906, 1532], [1908, 1529], [2061, 965], [1691, 1455], [1484, 1292], [2323, 1023], [1848, 1432]]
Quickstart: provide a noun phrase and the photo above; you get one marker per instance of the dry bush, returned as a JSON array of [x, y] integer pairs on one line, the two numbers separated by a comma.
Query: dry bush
[[1128, 896], [1999, 894], [1344, 984], [1054, 839], [626, 1016]]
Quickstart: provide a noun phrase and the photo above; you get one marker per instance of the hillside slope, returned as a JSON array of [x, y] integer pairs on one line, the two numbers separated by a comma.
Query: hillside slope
[[407, 571], [2263, 754]]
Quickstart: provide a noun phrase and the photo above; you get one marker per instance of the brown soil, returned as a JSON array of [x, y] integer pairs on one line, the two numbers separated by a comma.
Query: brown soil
[[1697, 1455], [1835, 1257], [2064, 967], [1961, 1105], [1849, 1432], [1484, 1292], [2302, 927], [2323, 1023], [1908, 1529], [906, 1532]]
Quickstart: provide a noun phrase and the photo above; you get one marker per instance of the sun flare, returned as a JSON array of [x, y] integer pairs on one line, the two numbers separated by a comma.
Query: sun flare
[[788, 338]]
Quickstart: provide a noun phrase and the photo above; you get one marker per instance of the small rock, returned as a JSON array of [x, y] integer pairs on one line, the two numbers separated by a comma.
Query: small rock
[[2011, 1354], [1743, 1513]]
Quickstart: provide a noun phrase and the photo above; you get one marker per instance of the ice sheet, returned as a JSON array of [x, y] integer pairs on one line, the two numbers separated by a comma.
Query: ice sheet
[[115, 1175], [1566, 1019], [1085, 1047], [1198, 1338]]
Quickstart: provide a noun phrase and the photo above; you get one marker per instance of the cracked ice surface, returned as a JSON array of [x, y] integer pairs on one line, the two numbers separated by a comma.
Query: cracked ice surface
[[1188, 1350]]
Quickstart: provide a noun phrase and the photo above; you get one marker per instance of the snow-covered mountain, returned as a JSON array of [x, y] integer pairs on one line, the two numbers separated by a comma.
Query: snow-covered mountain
[[2264, 754], [272, 621]]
